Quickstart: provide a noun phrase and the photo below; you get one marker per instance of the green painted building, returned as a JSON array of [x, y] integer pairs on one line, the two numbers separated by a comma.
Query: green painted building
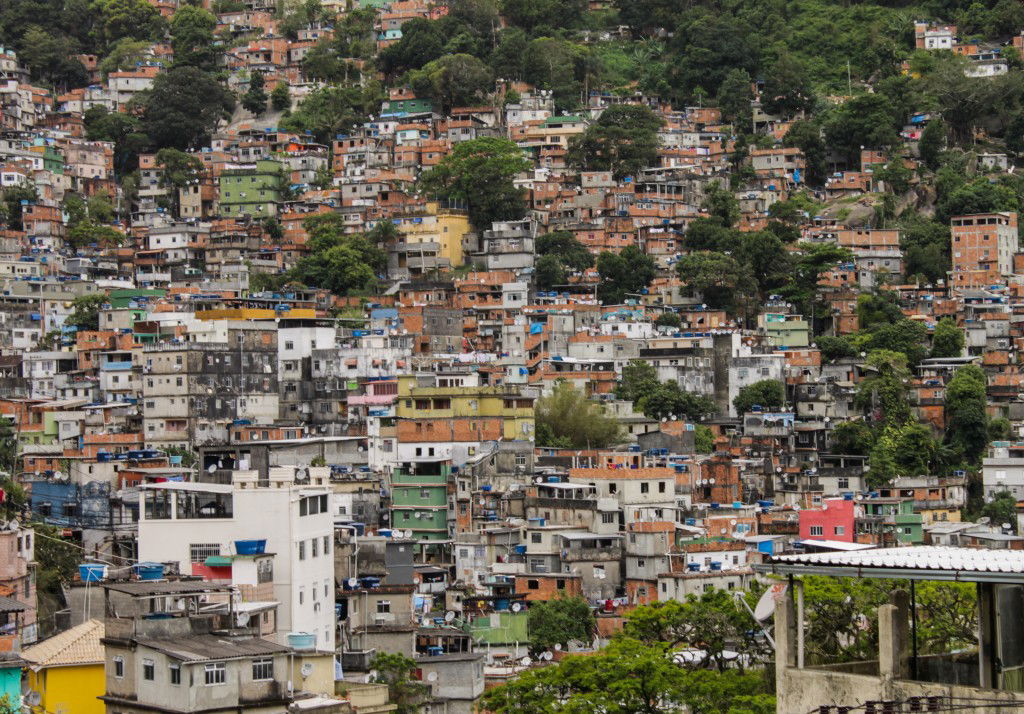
[[786, 330], [890, 520], [419, 499], [132, 297], [252, 190], [407, 106]]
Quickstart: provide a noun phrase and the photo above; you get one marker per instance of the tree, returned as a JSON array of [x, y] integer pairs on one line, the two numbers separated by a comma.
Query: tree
[[905, 336], [421, 42], [723, 283], [564, 246], [884, 388], [712, 621], [722, 204], [124, 55], [947, 339], [639, 378], [89, 232], [567, 419], [192, 38], [398, 672], [867, 120], [878, 308], [50, 57], [966, 417], [127, 18], [668, 319], [768, 394], [183, 108], [280, 100], [623, 140], [549, 272], [932, 143], [11, 202], [703, 439], [450, 81], [558, 621], [329, 111], [255, 98], [57, 559], [622, 274], [340, 262], [480, 173], [178, 170], [1002, 508], [668, 399], [787, 87], [852, 437], [734, 98], [86, 312], [833, 348], [806, 136], [124, 130]]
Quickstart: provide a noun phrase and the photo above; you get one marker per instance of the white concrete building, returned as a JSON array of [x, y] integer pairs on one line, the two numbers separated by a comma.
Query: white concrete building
[[189, 522]]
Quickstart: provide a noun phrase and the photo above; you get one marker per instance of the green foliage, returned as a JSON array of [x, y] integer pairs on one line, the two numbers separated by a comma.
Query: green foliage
[[878, 308], [639, 378], [852, 437], [90, 232], [480, 172], [623, 274], [905, 336], [806, 136], [833, 348], [329, 111], [1000, 429], [769, 394], [966, 418], [124, 130], [668, 319], [398, 672], [703, 439], [56, 558], [188, 457], [567, 419], [255, 98], [1002, 508], [192, 38], [558, 621], [884, 387], [932, 142], [183, 108], [867, 120], [668, 399], [86, 312], [10, 203], [947, 339], [734, 98], [787, 87], [722, 204], [342, 263], [549, 273], [456, 80], [623, 140], [280, 99], [895, 175], [925, 247]]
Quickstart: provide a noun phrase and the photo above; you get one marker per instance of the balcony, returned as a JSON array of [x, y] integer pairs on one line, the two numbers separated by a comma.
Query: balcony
[[123, 365]]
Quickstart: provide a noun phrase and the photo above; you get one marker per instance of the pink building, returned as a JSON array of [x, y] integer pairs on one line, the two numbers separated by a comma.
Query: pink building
[[833, 521], [17, 579]]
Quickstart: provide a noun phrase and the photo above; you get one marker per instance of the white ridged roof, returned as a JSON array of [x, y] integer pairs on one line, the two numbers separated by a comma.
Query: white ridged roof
[[967, 560]]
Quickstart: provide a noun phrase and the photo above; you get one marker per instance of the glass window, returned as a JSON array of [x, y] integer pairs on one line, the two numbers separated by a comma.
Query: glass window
[[148, 669], [263, 669], [119, 667], [175, 670], [216, 673]]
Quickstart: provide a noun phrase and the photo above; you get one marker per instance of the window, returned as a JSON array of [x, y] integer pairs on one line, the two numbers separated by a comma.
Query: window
[[536, 537], [148, 669], [314, 550], [119, 667], [533, 584], [613, 487], [327, 545], [199, 552], [641, 563], [661, 487], [215, 673], [843, 482], [262, 669], [383, 607], [645, 487], [839, 530], [817, 530], [302, 550], [175, 671]]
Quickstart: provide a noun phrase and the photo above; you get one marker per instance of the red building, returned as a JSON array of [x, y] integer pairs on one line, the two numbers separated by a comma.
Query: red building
[[833, 521]]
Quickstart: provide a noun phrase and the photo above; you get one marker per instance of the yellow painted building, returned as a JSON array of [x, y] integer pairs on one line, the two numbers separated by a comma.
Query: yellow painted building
[[507, 403], [438, 230], [67, 671]]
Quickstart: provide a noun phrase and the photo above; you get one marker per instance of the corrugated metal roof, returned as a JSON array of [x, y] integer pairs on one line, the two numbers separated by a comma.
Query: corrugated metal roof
[[917, 563], [199, 648]]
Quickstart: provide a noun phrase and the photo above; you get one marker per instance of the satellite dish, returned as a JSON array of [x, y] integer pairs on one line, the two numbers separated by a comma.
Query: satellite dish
[[449, 616], [432, 676], [33, 698], [517, 606], [352, 582], [547, 656], [558, 647], [306, 670], [526, 661], [58, 475], [211, 468], [242, 619]]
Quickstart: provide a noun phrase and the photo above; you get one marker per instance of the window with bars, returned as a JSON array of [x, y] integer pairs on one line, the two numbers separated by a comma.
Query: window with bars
[[199, 552]]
